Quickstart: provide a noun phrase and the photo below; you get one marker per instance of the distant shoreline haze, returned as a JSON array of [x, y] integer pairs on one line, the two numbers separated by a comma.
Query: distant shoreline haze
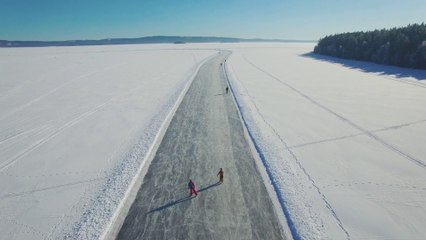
[[141, 40]]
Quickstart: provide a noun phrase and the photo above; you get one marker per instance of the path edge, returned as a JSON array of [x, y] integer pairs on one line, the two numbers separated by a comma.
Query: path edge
[[113, 228], [273, 194]]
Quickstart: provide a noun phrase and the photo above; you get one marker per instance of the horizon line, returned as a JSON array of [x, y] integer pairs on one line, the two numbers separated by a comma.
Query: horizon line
[[166, 36]]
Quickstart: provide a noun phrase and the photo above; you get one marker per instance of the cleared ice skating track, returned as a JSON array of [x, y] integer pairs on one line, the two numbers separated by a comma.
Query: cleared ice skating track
[[204, 135]]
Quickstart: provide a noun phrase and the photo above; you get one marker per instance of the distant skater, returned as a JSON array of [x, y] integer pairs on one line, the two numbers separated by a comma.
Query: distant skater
[[226, 89], [220, 174], [191, 187]]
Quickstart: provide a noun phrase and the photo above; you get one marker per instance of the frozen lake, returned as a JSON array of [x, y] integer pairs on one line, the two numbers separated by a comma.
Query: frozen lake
[[343, 141], [76, 125]]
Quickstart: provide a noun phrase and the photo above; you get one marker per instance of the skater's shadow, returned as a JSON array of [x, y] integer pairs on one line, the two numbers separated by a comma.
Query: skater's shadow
[[208, 187], [181, 200], [171, 204], [369, 67]]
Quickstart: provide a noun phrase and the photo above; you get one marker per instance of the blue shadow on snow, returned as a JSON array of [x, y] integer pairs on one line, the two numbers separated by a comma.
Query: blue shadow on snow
[[371, 67]]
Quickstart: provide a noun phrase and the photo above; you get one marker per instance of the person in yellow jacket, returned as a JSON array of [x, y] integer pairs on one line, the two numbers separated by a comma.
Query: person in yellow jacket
[[220, 174]]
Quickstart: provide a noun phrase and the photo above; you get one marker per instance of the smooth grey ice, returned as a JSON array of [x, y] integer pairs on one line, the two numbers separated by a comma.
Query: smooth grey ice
[[204, 135]]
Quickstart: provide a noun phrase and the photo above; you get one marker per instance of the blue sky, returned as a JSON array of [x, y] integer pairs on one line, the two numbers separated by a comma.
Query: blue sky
[[283, 19]]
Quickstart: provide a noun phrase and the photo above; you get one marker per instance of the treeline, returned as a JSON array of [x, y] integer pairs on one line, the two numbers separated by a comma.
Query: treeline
[[405, 47], [141, 40], [116, 41]]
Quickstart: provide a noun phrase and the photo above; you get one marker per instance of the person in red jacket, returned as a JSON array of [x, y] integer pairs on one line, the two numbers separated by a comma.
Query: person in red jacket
[[191, 187]]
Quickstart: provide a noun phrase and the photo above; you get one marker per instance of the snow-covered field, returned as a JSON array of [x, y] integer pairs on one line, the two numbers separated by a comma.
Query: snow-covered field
[[76, 124], [344, 141]]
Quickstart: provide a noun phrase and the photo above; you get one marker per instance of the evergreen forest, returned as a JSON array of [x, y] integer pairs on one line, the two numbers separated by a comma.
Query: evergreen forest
[[404, 47]]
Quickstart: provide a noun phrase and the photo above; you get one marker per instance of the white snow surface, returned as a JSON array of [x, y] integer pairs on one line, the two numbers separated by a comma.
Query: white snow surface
[[344, 140], [76, 124]]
